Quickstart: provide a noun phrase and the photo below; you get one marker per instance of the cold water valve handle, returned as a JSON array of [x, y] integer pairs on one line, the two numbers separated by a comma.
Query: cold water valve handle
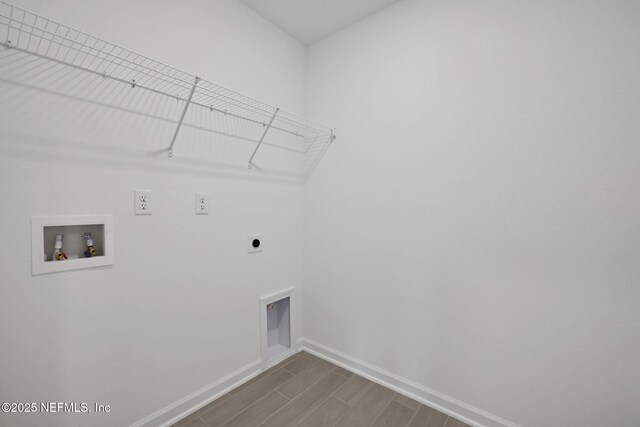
[[91, 251], [58, 254]]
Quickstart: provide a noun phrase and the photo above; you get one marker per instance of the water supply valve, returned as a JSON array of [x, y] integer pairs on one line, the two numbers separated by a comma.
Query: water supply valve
[[91, 250], [58, 254]]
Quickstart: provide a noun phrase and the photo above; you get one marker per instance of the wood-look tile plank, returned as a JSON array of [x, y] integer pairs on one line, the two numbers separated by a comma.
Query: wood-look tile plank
[[252, 381], [394, 415], [200, 411], [298, 364], [367, 409], [255, 414], [293, 358], [196, 422], [323, 395], [452, 422], [343, 372], [353, 389], [296, 410], [407, 401], [290, 359], [326, 414], [242, 400], [428, 417], [186, 420], [305, 378]]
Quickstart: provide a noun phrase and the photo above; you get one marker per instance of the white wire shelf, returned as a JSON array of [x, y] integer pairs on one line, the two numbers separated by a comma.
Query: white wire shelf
[[32, 45]]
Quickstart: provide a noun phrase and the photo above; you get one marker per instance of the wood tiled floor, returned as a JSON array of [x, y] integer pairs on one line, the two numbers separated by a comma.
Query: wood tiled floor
[[305, 390]]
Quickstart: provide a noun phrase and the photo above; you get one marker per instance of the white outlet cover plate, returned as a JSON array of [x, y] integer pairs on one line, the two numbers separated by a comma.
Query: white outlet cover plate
[[202, 204], [250, 239], [142, 202]]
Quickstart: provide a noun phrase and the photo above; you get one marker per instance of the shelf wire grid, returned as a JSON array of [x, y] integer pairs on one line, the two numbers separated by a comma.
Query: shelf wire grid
[[32, 45]]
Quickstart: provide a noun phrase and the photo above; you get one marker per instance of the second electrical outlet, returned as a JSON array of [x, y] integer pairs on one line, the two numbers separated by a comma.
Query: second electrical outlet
[[202, 204], [142, 204]]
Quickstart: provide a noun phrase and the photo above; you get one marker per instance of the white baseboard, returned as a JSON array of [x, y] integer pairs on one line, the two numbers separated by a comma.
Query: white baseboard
[[196, 400], [457, 409], [181, 408]]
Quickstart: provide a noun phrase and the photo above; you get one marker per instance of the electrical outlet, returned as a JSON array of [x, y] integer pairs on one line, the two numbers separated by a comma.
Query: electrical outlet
[[142, 202], [254, 243], [202, 204]]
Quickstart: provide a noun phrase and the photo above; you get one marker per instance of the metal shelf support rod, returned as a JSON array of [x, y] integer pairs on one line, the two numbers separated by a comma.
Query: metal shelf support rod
[[184, 112], [266, 129]]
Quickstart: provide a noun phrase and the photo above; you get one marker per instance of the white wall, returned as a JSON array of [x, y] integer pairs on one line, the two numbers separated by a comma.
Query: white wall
[[475, 227], [179, 309]]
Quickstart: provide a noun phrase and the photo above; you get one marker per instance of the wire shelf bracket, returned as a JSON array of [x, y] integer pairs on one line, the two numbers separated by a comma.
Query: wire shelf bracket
[[38, 43], [184, 113], [266, 129]]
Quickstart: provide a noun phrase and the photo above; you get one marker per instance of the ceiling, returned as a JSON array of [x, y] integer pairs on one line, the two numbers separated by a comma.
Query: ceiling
[[311, 20]]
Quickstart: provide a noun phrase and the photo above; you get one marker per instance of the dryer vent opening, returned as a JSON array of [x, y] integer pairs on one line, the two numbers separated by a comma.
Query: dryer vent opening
[[278, 328]]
